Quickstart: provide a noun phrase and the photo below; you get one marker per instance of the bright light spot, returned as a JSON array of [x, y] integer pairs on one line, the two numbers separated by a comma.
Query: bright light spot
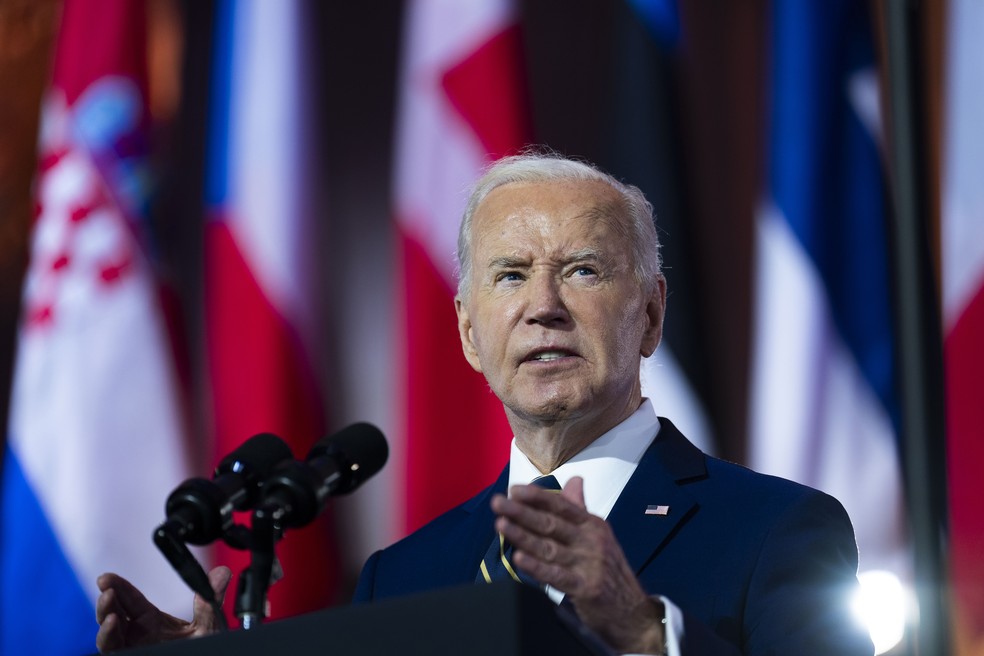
[[880, 605]]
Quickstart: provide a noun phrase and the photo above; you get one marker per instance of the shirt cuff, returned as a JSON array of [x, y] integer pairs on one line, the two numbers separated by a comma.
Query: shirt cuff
[[673, 626]]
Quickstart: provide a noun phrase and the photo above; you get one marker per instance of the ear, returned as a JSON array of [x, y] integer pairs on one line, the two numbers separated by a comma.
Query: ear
[[655, 308], [465, 334]]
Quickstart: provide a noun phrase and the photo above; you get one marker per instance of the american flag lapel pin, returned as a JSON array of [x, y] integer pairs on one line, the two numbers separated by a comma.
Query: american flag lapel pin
[[662, 511]]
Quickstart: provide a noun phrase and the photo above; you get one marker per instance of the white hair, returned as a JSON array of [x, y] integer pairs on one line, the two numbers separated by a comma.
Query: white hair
[[637, 215]]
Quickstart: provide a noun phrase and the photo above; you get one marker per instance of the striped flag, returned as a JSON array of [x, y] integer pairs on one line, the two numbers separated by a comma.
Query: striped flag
[[962, 228], [823, 406], [260, 295], [462, 103], [95, 433]]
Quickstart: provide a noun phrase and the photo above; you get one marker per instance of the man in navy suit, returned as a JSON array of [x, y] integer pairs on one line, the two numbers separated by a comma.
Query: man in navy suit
[[656, 547]]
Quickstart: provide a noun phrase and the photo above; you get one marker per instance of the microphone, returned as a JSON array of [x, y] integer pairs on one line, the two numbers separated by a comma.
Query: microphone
[[298, 491], [200, 510]]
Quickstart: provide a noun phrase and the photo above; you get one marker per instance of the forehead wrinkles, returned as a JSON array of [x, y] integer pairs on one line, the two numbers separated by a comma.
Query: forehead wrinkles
[[610, 212], [527, 228]]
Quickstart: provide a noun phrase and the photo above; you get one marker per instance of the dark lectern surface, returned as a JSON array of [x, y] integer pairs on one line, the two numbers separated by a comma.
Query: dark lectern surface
[[479, 620]]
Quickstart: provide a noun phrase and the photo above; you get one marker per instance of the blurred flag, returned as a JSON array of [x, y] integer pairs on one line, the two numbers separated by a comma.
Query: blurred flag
[[963, 310], [95, 434], [462, 104], [643, 150], [823, 406], [260, 240]]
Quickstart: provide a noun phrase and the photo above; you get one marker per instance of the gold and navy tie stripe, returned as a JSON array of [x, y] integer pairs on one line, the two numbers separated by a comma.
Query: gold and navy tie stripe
[[497, 563]]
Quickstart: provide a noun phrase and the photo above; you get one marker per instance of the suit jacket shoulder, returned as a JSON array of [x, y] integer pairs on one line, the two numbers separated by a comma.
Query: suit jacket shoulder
[[766, 564]]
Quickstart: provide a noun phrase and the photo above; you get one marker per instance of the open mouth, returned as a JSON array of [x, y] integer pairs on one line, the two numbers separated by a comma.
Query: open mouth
[[548, 355]]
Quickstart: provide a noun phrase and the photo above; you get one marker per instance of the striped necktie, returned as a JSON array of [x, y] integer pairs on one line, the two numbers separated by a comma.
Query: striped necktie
[[497, 564]]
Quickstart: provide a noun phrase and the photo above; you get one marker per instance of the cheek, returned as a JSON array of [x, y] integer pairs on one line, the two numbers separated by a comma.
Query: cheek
[[486, 336], [496, 322], [624, 331]]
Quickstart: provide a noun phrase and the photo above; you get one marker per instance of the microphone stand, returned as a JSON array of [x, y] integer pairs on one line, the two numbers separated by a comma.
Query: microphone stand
[[263, 570], [168, 540], [254, 581]]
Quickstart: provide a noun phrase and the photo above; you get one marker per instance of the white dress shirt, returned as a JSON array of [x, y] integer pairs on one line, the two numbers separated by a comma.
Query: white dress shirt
[[606, 465]]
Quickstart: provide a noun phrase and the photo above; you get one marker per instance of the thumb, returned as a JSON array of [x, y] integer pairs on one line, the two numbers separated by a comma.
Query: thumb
[[204, 614], [219, 578], [574, 492]]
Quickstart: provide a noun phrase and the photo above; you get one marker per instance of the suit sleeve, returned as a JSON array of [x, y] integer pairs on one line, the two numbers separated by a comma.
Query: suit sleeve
[[799, 595], [364, 590]]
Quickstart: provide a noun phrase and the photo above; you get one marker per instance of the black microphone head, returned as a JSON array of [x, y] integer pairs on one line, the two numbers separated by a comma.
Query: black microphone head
[[254, 460], [203, 508], [257, 456], [360, 449]]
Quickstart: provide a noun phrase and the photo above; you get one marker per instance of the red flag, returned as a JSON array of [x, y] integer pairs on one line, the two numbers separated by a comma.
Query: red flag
[[462, 104], [963, 311], [259, 292]]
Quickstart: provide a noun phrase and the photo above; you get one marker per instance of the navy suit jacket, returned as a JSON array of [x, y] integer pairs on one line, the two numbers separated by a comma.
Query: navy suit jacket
[[757, 564]]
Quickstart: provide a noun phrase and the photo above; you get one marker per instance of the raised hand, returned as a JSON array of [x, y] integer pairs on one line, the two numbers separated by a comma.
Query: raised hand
[[127, 619], [558, 542]]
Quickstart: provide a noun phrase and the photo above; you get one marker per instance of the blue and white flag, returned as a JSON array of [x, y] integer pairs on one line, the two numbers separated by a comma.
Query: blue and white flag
[[823, 405]]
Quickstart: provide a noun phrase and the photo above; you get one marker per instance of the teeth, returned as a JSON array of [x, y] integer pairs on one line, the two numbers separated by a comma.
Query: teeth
[[547, 356]]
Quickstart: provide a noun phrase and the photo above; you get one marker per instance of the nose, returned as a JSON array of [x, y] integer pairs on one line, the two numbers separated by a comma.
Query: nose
[[545, 304]]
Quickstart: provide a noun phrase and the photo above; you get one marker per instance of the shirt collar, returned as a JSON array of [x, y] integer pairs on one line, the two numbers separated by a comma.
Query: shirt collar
[[605, 465]]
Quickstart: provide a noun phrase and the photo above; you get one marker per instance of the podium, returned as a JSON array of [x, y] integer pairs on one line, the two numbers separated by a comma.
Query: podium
[[502, 619]]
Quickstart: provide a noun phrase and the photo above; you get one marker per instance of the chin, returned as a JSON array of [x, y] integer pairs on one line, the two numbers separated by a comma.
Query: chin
[[551, 410]]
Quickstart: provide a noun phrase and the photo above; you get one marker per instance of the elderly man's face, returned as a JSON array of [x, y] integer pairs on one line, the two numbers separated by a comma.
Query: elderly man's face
[[555, 317]]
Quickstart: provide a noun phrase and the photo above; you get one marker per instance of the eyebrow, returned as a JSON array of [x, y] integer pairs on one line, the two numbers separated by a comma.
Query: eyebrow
[[586, 254], [513, 262], [507, 262]]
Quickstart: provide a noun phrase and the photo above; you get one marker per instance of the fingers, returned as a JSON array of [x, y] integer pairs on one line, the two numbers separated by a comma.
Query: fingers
[[543, 512], [112, 612], [571, 559], [110, 635], [107, 604], [557, 541], [127, 598], [542, 522], [560, 572], [548, 531], [574, 491], [536, 531], [569, 503], [111, 617]]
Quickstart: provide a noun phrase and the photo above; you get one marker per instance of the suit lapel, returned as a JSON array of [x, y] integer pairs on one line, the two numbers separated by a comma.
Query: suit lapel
[[480, 502], [669, 460], [465, 551]]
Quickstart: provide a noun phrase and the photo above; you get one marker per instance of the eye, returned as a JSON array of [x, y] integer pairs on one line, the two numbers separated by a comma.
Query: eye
[[584, 271], [509, 276]]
